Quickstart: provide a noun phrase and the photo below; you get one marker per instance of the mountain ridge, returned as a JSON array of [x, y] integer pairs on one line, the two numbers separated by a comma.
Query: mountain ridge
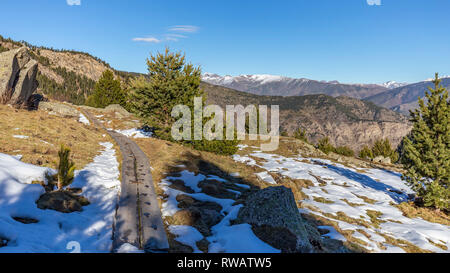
[[346, 121], [265, 84], [405, 98]]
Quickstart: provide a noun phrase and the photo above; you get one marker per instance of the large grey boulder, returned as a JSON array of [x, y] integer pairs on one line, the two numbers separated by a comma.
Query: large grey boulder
[[275, 219], [17, 76], [59, 109]]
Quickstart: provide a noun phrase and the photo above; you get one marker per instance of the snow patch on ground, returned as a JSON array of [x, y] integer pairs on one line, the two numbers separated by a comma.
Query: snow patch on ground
[[91, 228], [266, 177], [135, 133], [237, 238], [226, 238], [83, 119], [332, 233], [345, 189], [187, 235], [21, 137], [128, 248]]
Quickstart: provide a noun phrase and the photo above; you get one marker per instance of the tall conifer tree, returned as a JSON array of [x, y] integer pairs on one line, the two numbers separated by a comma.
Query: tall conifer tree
[[107, 91], [426, 152]]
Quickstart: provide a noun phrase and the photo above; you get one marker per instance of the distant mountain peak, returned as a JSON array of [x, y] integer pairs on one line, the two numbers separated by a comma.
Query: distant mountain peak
[[393, 84], [257, 78]]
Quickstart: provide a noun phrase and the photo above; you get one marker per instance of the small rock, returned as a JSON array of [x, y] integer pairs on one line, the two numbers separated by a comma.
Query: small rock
[[62, 201], [203, 245], [382, 160]]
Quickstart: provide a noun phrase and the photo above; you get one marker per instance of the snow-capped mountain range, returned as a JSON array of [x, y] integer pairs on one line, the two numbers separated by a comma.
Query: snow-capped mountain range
[[264, 84]]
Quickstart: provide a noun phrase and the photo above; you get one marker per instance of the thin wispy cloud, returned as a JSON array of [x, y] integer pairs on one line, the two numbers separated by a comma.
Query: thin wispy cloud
[[374, 2], [184, 28], [147, 40], [73, 2], [174, 37], [173, 34]]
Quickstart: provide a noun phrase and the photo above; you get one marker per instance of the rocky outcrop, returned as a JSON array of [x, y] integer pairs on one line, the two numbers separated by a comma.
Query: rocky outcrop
[[275, 219], [17, 76], [59, 109]]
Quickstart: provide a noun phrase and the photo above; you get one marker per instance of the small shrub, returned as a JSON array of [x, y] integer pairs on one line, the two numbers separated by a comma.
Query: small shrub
[[344, 150], [366, 153], [66, 168], [221, 147], [325, 146], [384, 148], [301, 134]]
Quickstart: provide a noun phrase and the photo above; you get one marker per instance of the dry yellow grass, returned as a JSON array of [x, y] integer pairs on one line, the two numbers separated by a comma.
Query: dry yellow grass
[[412, 211], [45, 133]]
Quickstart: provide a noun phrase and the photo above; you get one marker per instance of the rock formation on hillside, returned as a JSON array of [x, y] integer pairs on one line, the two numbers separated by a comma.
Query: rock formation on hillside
[[274, 216], [17, 76]]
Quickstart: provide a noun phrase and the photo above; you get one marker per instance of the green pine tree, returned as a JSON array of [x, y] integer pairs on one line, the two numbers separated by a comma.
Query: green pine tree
[[325, 146], [107, 91], [301, 134], [171, 82], [366, 153], [426, 151], [384, 148], [66, 168]]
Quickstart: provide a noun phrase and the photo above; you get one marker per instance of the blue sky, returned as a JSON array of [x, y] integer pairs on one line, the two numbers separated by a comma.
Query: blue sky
[[345, 40]]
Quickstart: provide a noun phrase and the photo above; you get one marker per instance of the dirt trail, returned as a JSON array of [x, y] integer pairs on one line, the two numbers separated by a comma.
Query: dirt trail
[[138, 219]]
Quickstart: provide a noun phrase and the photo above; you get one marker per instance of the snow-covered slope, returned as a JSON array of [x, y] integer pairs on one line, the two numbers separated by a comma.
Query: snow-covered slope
[[367, 197], [86, 231]]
